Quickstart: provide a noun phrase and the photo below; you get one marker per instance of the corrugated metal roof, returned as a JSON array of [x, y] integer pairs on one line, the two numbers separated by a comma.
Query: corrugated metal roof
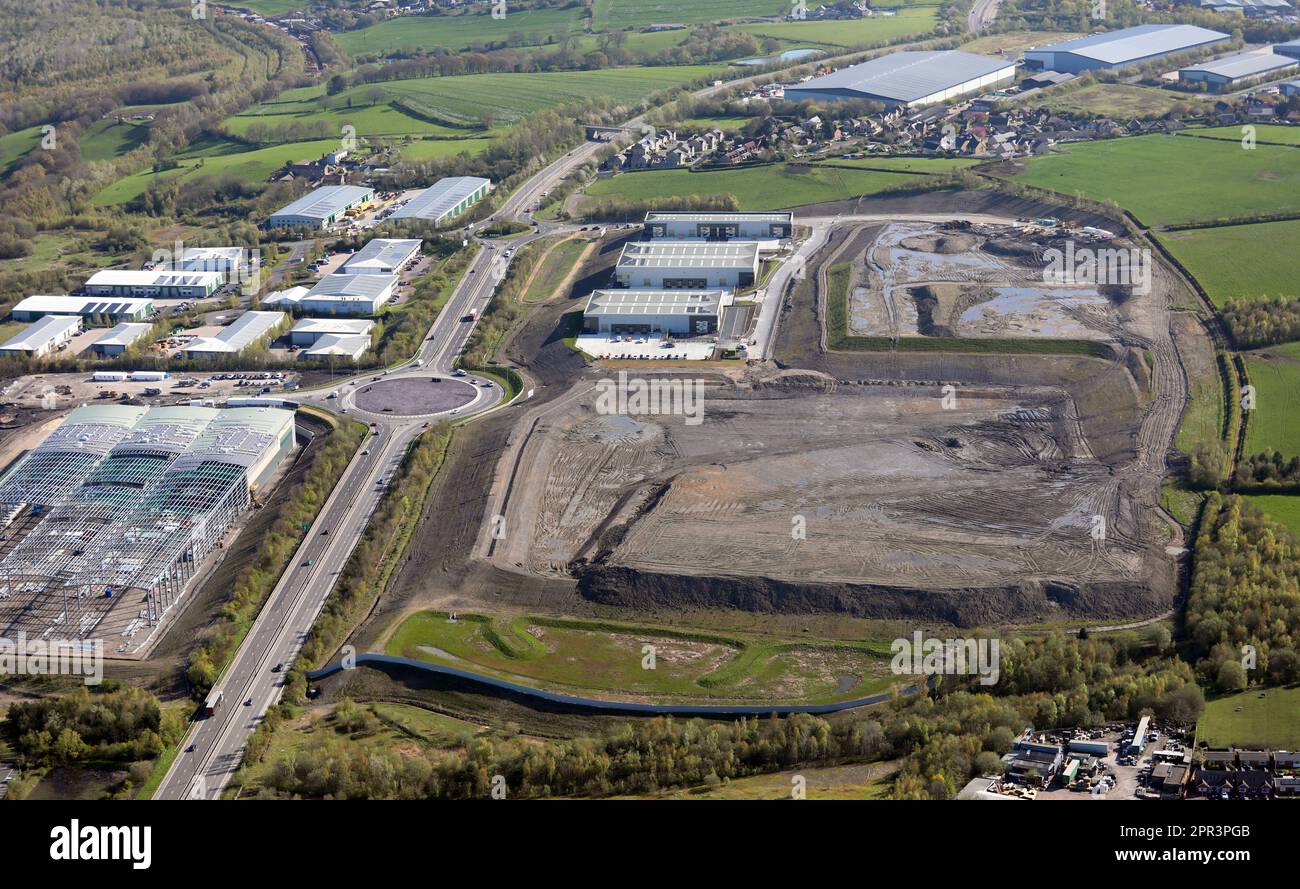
[[440, 198], [904, 76], [345, 345], [82, 305], [355, 285], [333, 325], [1246, 64], [654, 302], [326, 201], [689, 254], [655, 216], [153, 278], [42, 333], [382, 253], [124, 334], [247, 329], [1128, 44]]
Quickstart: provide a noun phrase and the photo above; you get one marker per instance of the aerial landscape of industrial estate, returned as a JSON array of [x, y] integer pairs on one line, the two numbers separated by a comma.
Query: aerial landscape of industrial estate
[[520, 399]]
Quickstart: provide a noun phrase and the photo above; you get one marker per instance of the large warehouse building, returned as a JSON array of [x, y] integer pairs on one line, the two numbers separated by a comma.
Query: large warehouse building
[[249, 329], [42, 338], [123, 504], [1290, 48], [92, 310], [679, 312], [908, 79], [1237, 71], [382, 256], [445, 200], [1120, 49], [160, 283], [349, 294], [119, 339], [719, 226], [321, 207], [687, 265]]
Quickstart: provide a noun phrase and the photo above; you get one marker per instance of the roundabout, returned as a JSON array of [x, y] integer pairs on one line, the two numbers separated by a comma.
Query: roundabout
[[414, 396]]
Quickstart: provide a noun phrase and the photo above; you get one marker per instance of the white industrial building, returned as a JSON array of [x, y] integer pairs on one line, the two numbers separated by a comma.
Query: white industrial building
[[687, 265], [93, 310], [307, 331], [1120, 49], [349, 294], [120, 338], [767, 227], [1238, 70], [445, 200], [679, 312], [908, 79], [338, 345], [227, 260], [285, 299], [44, 337], [321, 207], [160, 283], [122, 504], [382, 256], [249, 329]]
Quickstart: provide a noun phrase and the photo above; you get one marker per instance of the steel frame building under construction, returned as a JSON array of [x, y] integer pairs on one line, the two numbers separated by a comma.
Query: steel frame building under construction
[[119, 506]]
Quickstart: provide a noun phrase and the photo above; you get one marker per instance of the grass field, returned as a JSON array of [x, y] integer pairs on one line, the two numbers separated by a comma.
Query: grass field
[[844, 782], [772, 187], [1281, 508], [16, 144], [108, 139], [606, 14], [215, 157], [1263, 133], [1240, 261], [608, 659], [303, 108], [1172, 179], [520, 27], [1203, 423], [1275, 422], [1121, 100], [908, 21], [551, 275], [1269, 721]]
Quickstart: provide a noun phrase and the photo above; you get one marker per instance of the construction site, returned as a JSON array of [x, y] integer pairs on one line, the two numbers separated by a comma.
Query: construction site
[[953, 486], [106, 523]]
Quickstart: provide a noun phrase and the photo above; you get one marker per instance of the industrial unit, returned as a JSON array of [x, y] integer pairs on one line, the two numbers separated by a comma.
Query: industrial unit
[[1291, 88], [45, 336], [1290, 48], [382, 256], [445, 200], [92, 310], [719, 226], [1237, 70], [117, 340], [338, 345], [908, 79], [227, 260], [307, 331], [681, 312], [322, 207], [159, 283], [349, 294], [248, 329], [123, 504], [1120, 49], [288, 298], [687, 265]]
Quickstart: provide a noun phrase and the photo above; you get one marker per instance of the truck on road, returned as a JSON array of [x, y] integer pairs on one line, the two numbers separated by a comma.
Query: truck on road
[[213, 703]]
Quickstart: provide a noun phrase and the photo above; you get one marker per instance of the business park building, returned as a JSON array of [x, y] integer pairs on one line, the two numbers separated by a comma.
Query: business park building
[[908, 79], [1114, 50], [108, 521]]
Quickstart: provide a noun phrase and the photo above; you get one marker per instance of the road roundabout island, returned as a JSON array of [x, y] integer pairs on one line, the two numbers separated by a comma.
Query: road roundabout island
[[425, 395]]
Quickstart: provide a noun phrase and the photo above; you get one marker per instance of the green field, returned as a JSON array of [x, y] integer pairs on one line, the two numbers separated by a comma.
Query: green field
[[1173, 179], [216, 157], [607, 659], [307, 107], [1281, 508], [1275, 422], [16, 144], [108, 139], [856, 32], [619, 14], [1263, 133], [1269, 721], [773, 187], [1240, 261], [559, 263], [520, 27]]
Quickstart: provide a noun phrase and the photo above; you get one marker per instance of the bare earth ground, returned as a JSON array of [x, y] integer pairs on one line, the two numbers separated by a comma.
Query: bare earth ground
[[977, 515]]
